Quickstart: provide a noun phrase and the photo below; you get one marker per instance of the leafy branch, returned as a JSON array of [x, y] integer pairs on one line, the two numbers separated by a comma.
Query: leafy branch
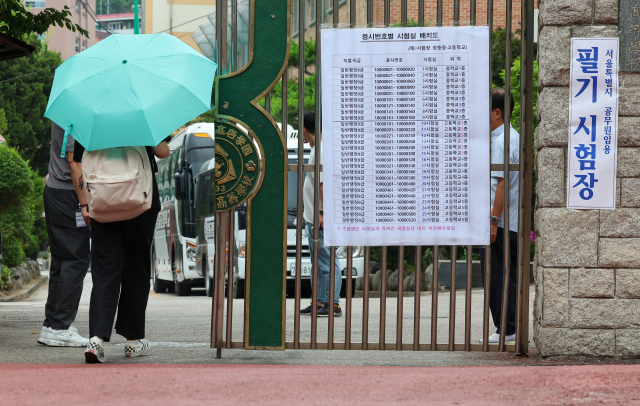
[[17, 21]]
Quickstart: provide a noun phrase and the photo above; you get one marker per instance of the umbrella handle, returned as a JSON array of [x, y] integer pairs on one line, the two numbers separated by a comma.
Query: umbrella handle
[[64, 141]]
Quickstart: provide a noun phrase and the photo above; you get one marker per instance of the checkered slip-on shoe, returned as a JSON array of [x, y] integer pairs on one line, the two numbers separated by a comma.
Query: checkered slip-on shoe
[[94, 352], [136, 349]]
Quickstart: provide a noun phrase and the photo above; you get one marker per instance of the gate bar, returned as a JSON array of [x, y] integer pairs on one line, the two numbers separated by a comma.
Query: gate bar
[[456, 13], [487, 251], [467, 312], [400, 298], [383, 296], [318, 151], [387, 13], [507, 186], [365, 306], [439, 14], [234, 36], [452, 298], [416, 300], [230, 273], [347, 331], [526, 164], [218, 299], [299, 219], [472, 12], [434, 299], [370, 13], [332, 296]]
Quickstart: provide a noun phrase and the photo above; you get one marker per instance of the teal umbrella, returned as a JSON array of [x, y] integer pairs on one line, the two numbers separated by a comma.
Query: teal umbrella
[[130, 90]]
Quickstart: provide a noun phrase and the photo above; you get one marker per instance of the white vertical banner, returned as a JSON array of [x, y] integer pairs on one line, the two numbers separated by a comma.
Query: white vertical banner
[[593, 124], [406, 136]]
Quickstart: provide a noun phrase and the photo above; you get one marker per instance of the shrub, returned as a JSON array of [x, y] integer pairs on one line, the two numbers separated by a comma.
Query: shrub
[[16, 214]]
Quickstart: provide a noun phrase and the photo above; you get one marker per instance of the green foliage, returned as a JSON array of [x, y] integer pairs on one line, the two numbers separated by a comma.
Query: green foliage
[[499, 50], [409, 257], [24, 101], [5, 276], [292, 99], [410, 23], [515, 91], [20, 208], [309, 53], [115, 6], [17, 21], [3, 121]]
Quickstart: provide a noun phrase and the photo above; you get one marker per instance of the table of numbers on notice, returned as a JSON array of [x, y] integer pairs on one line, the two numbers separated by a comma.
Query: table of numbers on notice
[[401, 138]]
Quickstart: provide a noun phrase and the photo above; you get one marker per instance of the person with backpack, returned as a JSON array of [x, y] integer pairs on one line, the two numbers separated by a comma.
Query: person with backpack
[[123, 202]]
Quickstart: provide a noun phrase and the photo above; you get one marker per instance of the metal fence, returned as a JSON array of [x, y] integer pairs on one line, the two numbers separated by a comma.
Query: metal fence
[[222, 327]]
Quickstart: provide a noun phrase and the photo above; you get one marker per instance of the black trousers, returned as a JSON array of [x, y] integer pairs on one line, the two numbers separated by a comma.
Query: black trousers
[[120, 269], [70, 254], [497, 279]]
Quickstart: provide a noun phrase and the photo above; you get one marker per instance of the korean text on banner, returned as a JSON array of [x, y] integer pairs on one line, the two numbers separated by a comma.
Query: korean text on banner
[[593, 124], [406, 136]]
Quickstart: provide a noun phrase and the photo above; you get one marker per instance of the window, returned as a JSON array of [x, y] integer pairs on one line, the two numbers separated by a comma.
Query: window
[[35, 3], [77, 44], [83, 8], [84, 44], [115, 25]]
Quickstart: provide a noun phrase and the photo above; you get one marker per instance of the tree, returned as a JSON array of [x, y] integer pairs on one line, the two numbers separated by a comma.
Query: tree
[[16, 216], [24, 100], [17, 21]]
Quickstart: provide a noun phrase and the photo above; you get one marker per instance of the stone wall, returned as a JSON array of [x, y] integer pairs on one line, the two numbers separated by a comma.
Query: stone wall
[[587, 263]]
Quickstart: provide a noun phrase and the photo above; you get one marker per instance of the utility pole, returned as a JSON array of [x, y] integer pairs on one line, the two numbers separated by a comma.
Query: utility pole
[[107, 6], [136, 21]]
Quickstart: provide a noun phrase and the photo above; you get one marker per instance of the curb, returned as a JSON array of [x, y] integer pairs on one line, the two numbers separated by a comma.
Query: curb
[[26, 292]]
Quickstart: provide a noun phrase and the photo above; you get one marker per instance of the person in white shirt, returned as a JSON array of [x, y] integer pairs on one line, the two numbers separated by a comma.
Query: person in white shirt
[[498, 227], [309, 131]]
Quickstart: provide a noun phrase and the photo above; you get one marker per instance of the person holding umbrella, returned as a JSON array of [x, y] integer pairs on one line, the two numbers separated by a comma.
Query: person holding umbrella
[[119, 99]]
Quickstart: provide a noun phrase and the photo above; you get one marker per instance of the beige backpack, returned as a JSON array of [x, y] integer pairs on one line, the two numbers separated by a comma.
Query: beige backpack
[[118, 183]]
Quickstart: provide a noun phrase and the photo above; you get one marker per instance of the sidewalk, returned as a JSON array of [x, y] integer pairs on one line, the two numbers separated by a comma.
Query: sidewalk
[[154, 384]]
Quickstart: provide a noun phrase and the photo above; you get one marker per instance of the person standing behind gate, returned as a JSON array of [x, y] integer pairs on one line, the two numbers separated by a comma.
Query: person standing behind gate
[[69, 243], [120, 264], [497, 220], [324, 257]]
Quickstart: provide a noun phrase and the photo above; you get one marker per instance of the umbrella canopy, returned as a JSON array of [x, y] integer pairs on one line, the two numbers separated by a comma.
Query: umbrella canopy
[[130, 90]]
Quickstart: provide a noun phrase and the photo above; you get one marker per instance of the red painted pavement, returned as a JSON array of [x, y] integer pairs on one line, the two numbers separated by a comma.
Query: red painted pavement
[[154, 384]]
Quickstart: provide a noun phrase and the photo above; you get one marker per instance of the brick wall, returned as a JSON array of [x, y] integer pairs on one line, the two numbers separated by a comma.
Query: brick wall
[[587, 264], [499, 13]]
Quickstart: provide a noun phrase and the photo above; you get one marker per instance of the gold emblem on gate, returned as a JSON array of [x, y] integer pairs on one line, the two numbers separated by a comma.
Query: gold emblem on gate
[[237, 167]]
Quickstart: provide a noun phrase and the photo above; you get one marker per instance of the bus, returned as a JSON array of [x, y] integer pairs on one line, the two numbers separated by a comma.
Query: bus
[[173, 249], [206, 226]]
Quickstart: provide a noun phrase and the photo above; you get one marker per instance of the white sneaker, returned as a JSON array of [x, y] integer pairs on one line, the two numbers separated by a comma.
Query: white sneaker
[[495, 338], [43, 334], [65, 338], [136, 349], [94, 352]]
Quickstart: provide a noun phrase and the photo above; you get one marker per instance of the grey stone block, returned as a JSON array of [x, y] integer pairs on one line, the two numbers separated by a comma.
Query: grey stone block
[[628, 162], [553, 104], [554, 54], [630, 192], [628, 283], [606, 12], [567, 238], [629, 80], [629, 102], [628, 343], [589, 283], [619, 253], [629, 132], [555, 296], [551, 185], [565, 12], [562, 341], [604, 313], [553, 341], [595, 31], [595, 343], [621, 223]]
